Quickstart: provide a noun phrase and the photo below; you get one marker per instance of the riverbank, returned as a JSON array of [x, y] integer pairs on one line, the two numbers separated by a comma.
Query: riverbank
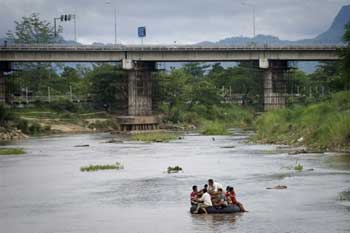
[[323, 126]]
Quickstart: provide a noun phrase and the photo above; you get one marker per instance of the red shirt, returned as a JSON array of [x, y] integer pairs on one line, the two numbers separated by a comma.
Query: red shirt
[[194, 195], [232, 195]]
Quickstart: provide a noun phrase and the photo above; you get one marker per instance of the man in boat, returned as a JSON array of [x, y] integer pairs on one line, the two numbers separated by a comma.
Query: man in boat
[[204, 202], [213, 186], [194, 195], [233, 200], [220, 200]]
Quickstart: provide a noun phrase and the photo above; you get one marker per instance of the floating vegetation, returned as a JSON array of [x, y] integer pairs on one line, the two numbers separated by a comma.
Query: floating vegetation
[[93, 168], [154, 137], [298, 167], [175, 169], [11, 151], [345, 195]]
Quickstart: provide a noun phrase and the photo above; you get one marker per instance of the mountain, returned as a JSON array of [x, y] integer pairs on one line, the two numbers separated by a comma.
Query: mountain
[[332, 36]]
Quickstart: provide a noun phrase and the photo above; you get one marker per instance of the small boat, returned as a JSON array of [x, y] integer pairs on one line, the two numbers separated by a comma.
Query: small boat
[[213, 210]]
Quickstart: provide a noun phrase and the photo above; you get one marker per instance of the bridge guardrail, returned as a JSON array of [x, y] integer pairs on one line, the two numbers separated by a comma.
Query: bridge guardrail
[[60, 47]]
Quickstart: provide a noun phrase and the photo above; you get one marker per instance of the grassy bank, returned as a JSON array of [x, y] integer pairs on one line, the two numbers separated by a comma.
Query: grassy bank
[[325, 125], [210, 120]]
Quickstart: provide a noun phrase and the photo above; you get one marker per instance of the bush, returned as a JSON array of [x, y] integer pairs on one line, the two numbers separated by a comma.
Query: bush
[[214, 128], [64, 106], [5, 116]]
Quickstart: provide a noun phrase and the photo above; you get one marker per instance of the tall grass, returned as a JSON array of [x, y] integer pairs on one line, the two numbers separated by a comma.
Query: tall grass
[[325, 125]]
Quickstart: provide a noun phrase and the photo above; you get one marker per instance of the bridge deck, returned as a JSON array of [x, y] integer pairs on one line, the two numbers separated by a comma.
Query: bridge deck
[[163, 53]]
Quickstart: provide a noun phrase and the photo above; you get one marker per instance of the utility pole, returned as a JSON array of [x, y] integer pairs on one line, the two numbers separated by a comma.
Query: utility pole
[[71, 93], [48, 94], [115, 21]]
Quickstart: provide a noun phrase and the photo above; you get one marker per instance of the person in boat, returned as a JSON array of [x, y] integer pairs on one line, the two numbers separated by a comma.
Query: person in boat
[[204, 202], [194, 195], [213, 186], [220, 200], [233, 200]]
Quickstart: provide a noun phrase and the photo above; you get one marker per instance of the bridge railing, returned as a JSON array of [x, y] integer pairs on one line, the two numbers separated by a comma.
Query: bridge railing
[[53, 47]]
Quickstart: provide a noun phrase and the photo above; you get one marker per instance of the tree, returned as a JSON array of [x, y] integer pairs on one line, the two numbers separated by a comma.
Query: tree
[[33, 30], [345, 54], [109, 85]]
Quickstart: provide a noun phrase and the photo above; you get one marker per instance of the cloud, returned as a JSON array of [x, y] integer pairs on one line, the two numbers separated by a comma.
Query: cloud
[[184, 21]]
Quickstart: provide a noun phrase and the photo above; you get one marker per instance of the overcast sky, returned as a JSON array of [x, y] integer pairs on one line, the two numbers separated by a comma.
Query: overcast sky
[[184, 21]]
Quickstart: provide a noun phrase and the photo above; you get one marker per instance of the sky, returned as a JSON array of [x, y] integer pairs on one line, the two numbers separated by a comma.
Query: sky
[[183, 21]]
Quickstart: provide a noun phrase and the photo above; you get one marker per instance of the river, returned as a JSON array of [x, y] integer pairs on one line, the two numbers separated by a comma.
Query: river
[[45, 191]]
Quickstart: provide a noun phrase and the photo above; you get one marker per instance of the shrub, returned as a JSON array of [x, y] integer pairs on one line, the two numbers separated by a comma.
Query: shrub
[[214, 128]]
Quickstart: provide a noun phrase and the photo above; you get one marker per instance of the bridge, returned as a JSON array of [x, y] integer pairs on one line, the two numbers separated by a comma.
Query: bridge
[[140, 61]]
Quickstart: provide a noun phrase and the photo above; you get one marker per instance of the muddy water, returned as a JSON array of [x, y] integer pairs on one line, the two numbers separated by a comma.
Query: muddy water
[[44, 190]]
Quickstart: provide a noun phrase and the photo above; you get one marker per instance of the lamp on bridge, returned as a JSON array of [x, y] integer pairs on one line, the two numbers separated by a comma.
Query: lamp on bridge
[[115, 22], [253, 8]]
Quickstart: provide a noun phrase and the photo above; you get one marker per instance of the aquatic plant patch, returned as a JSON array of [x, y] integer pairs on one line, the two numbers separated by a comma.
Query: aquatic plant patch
[[11, 151], [154, 137], [93, 168], [175, 169]]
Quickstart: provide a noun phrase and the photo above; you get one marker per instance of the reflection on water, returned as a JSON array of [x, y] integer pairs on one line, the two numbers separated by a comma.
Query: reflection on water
[[44, 190], [341, 161]]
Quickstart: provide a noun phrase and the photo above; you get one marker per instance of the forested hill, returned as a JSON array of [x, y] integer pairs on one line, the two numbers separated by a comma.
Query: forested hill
[[332, 36]]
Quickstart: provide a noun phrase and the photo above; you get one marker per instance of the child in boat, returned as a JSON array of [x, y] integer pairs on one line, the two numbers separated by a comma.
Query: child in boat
[[232, 197], [194, 195], [220, 200], [204, 202]]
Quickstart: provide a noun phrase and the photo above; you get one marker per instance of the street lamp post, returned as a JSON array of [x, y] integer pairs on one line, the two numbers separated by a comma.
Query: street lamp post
[[115, 22], [253, 8]]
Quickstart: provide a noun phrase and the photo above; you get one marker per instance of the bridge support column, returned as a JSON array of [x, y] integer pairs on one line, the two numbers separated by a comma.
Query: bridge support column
[[140, 89], [139, 98], [4, 67], [2, 88], [275, 85]]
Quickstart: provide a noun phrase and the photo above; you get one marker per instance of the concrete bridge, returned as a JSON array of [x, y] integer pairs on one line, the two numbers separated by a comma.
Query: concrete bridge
[[140, 61]]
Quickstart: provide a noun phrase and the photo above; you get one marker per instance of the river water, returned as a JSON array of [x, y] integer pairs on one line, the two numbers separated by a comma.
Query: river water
[[45, 191]]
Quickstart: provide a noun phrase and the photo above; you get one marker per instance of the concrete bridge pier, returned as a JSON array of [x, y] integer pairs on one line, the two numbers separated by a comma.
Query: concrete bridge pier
[[4, 67], [139, 97], [275, 85]]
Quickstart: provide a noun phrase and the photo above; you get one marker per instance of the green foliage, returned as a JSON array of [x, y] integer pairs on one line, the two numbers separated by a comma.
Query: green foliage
[[325, 125], [214, 128], [93, 168], [298, 167], [5, 116], [154, 137], [64, 106], [175, 169], [33, 30], [107, 82], [11, 151]]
